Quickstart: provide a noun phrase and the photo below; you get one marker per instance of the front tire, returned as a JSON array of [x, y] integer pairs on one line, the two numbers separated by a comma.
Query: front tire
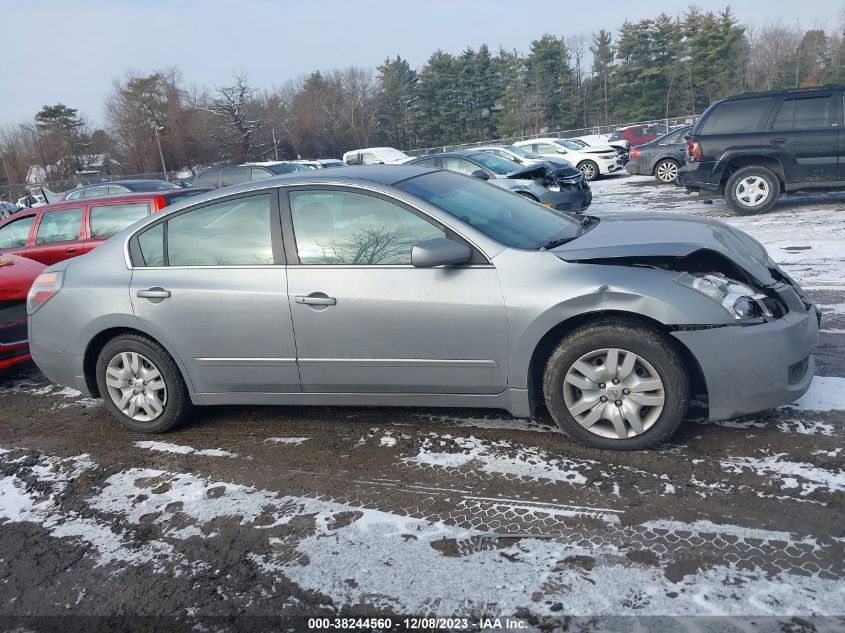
[[616, 385], [666, 171], [141, 385], [589, 170], [752, 190]]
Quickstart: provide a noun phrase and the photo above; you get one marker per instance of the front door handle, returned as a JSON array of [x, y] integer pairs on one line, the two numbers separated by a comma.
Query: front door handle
[[70, 250], [153, 293], [777, 141], [315, 299]]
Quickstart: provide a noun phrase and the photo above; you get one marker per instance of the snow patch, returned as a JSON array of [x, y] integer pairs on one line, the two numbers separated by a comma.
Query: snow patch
[[826, 393], [288, 440], [795, 474], [167, 447]]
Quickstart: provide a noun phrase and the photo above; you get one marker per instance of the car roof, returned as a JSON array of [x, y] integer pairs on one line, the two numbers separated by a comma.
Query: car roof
[[128, 181], [118, 197], [774, 93], [458, 152]]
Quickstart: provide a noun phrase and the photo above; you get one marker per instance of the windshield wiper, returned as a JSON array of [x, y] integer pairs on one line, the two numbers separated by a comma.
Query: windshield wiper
[[561, 238]]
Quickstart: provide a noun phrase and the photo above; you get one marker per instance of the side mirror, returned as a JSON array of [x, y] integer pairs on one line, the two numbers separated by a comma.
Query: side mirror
[[439, 252], [480, 174]]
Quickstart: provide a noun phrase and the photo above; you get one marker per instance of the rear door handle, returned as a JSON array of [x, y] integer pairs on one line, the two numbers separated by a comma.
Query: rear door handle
[[777, 141], [71, 250], [315, 301], [153, 293]]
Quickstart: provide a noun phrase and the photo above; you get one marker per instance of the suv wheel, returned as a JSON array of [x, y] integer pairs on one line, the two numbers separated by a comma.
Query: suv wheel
[[589, 170], [666, 171], [752, 190], [616, 385], [140, 384]]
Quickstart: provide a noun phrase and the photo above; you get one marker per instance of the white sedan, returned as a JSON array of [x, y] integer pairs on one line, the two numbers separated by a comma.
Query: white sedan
[[592, 161]]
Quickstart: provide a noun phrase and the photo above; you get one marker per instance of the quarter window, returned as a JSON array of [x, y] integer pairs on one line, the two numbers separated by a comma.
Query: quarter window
[[804, 114], [460, 165], [106, 220], [334, 228], [230, 233], [15, 233], [59, 226]]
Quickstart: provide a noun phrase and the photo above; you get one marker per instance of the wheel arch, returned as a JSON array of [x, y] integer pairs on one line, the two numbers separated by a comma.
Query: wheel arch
[[99, 340], [769, 162], [544, 347]]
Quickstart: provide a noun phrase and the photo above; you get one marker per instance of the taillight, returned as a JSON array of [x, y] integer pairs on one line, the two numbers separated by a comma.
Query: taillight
[[45, 286], [159, 203], [694, 150], [635, 153]]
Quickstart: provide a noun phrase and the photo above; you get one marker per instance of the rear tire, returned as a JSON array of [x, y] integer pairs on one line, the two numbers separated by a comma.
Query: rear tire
[[589, 170], [752, 190], [141, 385], [666, 171], [645, 405]]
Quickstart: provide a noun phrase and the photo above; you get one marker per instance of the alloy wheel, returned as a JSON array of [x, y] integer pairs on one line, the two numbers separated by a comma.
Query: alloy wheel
[[136, 386], [667, 171], [752, 191], [588, 171], [614, 393]]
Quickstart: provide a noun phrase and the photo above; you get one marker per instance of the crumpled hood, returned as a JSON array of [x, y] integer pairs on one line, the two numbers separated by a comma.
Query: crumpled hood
[[658, 235], [548, 169]]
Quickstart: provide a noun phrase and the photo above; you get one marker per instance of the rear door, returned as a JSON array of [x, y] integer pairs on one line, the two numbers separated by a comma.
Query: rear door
[[106, 219], [14, 234], [58, 236], [211, 281], [805, 130]]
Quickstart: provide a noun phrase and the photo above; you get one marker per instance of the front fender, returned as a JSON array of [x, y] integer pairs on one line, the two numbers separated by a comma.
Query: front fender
[[561, 291]]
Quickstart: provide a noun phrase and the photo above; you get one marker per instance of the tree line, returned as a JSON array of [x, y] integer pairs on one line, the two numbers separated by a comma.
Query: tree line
[[652, 68]]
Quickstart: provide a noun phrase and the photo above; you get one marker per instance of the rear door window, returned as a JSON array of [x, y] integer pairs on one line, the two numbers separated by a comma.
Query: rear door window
[[15, 233], [260, 174], [207, 179], [106, 220], [59, 226], [236, 175], [95, 192], [736, 116]]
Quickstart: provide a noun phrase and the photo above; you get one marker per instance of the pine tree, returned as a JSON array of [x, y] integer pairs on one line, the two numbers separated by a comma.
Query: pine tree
[[603, 54], [397, 102]]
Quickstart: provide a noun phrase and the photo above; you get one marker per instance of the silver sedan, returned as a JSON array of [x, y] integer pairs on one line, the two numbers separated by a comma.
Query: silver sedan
[[401, 285]]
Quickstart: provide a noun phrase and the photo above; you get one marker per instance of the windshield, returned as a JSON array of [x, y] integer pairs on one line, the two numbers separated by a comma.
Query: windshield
[[521, 151], [579, 142], [496, 164], [390, 154], [569, 144], [501, 215]]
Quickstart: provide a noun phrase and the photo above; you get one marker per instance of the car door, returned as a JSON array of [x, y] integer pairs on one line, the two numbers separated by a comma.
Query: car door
[[366, 320], [58, 236], [804, 133], [106, 219], [210, 280], [15, 234]]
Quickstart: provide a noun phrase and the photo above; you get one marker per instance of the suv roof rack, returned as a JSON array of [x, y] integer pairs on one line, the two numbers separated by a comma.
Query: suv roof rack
[[769, 93]]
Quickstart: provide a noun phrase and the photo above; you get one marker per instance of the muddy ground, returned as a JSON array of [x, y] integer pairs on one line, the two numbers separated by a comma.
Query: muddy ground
[[258, 517]]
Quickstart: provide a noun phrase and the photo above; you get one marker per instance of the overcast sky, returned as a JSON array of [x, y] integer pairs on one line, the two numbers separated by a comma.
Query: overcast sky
[[69, 52]]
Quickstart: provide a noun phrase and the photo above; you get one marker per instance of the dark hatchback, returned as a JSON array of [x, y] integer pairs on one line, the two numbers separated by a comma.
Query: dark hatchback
[[556, 185]]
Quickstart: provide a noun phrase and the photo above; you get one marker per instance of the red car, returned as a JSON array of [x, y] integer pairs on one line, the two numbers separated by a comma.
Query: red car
[[16, 276], [638, 134], [63, 230]]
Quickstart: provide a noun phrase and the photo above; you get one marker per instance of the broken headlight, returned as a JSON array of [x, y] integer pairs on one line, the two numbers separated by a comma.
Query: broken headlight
[[742, 302]]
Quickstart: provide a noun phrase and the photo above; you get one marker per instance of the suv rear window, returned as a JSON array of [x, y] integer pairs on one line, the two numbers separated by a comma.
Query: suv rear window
[[736, 116]]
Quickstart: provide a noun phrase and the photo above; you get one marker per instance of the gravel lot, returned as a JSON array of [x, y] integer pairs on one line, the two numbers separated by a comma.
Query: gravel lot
[[284, 512]]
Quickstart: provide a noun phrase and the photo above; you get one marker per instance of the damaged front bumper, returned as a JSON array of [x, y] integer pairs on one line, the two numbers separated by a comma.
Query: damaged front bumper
[[753, 368]]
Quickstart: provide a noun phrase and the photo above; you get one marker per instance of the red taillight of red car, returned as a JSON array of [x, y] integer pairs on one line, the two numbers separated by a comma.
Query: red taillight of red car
[[159, 203], [694, 151], [635, 153]]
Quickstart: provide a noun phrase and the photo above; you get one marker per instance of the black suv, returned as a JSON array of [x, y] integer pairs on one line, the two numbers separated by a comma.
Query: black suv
[[750, 148]]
